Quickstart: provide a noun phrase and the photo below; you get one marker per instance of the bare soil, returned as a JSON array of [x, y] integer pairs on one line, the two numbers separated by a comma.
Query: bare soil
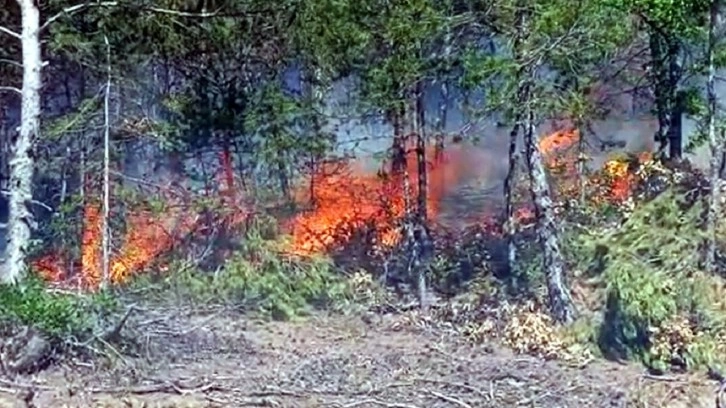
[[224, 359]]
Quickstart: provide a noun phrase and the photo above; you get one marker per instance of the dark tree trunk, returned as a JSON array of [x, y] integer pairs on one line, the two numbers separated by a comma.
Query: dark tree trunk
[[441, 122], [398, 150], [665, 75], [421, 156], [509, 181], [421, 241]]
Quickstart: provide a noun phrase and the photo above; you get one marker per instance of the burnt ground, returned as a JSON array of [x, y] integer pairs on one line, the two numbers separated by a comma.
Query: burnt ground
[[219, 358]]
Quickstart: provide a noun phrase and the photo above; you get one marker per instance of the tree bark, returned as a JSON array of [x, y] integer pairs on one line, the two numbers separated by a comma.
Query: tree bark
[[106, 233], [22, 165], [561, 304], [560, 301], [420, 234], [716, 145], [509, 182], [665, 75]]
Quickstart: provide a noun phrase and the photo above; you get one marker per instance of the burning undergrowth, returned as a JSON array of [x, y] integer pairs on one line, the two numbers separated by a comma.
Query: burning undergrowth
[[356, 217]]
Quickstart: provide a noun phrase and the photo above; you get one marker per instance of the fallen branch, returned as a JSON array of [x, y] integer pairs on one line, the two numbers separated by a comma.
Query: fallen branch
[[9, 32], [12, 89], [447, 398], [167, 387], [112, 334], [453, 384], [373, 401]]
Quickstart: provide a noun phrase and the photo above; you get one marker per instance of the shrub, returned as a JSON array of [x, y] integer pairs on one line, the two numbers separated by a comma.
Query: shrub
[[659, 306], [260, 276], [59, 316]]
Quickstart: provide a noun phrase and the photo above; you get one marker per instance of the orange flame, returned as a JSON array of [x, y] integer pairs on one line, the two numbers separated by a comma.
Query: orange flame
[[349, 200]]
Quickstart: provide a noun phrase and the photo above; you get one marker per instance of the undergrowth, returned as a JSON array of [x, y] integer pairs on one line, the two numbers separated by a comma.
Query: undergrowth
[[259, 277], [58, 315], [659, 306]]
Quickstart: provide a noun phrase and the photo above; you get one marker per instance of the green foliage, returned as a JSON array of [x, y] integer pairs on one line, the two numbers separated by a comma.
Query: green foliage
[[60, 316], [260, 277], [685, 18], [649, 266]]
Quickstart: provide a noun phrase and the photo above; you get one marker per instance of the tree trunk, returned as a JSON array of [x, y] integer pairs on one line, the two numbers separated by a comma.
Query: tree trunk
[[106, 238], [444, 101], [509, 182], [398, 149], [22, 166], [561, 304], [716, 145], [665, 75], [560, 301]]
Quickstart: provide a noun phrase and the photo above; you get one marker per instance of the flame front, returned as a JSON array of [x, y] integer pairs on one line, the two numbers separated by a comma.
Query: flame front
[[347, 201]]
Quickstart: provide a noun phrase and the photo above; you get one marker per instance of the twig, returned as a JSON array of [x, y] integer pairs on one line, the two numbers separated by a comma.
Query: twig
[[447, 398], [663, 378], [453, 384], [113, 333], [374, 401], [168, 387], [6, 193], [11, 89], [9, 32], [11, 384]]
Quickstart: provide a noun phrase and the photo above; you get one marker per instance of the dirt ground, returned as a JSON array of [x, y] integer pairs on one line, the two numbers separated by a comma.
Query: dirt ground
[[224, 359]]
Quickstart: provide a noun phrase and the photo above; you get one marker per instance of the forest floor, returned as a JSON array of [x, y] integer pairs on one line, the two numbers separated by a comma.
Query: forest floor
[[219, 358]]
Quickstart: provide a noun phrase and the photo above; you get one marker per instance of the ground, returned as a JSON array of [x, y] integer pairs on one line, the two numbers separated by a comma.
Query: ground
[[219, 358]]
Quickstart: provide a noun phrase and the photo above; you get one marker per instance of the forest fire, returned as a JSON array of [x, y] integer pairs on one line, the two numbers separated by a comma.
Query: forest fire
[[148, 236], [345, 202], [348, 202]]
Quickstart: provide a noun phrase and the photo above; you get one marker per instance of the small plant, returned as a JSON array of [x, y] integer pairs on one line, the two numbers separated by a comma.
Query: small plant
[[260, 276], [59, 316]]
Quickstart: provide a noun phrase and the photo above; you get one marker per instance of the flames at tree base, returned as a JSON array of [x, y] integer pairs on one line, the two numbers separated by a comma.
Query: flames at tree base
[[355, 216]]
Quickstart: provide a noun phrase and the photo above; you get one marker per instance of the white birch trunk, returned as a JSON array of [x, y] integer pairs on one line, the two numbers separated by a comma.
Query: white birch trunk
[[106, 238], [22, 165], [715, 143]]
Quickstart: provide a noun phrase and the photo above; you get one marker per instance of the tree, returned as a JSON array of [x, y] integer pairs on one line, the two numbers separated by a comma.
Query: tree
[[671, 27], [561, 304], [715, 141], [22, 164]]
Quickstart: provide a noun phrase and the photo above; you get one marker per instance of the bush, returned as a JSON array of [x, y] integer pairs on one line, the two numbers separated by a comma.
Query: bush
[[59, 316], [260, 276], [659, 307]]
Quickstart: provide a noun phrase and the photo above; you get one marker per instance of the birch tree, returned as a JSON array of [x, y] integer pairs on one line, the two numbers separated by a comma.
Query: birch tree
[[716, 144], [22, 165]]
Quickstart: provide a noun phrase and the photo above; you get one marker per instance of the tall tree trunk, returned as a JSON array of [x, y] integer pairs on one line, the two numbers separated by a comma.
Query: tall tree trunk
[[398, 149], [106, 234], [444, 97], [509, 182], [561, 304], [421, 234], [716, 145], [665, 74], [560, 301], [22, 165]]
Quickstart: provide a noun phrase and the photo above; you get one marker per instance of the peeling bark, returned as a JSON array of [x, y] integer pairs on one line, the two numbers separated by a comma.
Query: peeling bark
[[22, 164]]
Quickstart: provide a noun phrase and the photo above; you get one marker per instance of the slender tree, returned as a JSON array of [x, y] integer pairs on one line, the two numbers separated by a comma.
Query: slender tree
[[22, 163], [715, 141]]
